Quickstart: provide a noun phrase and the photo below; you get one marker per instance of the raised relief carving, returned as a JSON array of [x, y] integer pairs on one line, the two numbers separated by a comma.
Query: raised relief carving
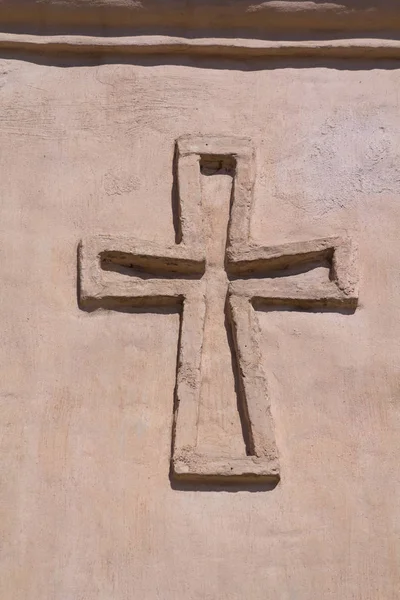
[[252, 276]]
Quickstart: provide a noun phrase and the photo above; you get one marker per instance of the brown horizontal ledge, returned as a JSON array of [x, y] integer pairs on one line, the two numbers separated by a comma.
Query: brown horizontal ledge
[[328, 15], [230, 48]]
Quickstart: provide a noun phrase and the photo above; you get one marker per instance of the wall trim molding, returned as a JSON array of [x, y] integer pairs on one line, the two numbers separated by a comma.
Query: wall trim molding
[[360, 48]]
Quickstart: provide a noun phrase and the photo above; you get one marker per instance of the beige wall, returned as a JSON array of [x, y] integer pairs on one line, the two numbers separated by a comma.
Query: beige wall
[[87, 511]]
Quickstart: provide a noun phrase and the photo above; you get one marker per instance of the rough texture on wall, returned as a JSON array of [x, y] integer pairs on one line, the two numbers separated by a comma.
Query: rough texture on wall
[[199, 357], [356, 15]]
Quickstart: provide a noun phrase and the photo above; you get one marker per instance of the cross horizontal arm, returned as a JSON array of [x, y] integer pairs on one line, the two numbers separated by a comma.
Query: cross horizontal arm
[[339, 290], [294, 292], [154, 274], [247, 259], [127, 251]]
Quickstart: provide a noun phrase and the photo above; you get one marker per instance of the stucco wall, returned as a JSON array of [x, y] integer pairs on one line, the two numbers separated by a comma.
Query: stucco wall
[[87, 509]]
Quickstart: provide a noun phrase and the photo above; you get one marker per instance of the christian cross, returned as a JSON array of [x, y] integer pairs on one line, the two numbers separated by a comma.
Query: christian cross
[[176, 274]]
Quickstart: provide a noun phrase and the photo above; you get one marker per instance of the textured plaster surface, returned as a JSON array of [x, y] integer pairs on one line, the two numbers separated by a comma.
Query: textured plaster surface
[[291, 15], [86, 407]]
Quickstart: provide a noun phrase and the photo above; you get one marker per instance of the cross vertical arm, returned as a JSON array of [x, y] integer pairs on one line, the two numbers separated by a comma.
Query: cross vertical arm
[[188, 382], [188, 463], [253, 390]]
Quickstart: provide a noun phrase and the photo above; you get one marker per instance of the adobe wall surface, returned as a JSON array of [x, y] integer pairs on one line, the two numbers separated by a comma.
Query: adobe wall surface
[[297, 15], [90, 509]]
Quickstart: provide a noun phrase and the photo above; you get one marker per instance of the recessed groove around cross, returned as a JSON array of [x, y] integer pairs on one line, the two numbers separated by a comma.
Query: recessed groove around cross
[[116, 270], [146, 267]]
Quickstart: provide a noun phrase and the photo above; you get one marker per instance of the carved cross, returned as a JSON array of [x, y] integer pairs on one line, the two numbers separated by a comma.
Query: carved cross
[[254, 275]]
